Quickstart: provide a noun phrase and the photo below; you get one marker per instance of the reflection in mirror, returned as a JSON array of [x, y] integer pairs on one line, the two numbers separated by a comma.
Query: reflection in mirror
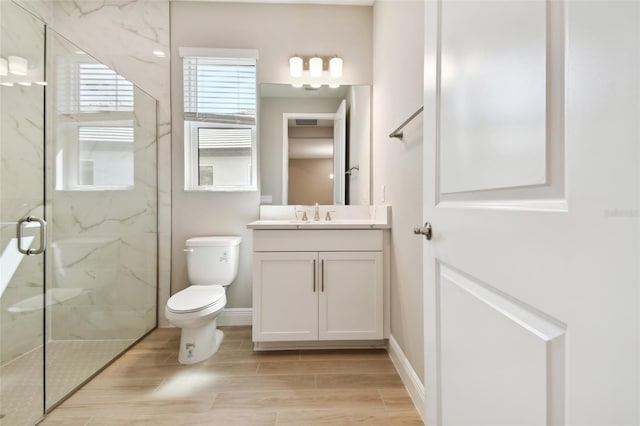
[[94, 123], [309, 143], [309, 166]]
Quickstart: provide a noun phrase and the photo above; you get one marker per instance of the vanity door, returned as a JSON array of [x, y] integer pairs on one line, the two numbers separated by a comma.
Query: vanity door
[[350, 297], [285, 298]]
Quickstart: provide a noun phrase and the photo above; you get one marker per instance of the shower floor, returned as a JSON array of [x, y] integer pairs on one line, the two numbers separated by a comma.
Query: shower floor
[[68, 363]]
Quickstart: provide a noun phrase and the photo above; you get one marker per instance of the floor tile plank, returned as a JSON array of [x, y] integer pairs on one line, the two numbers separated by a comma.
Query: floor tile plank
[[240, 387]]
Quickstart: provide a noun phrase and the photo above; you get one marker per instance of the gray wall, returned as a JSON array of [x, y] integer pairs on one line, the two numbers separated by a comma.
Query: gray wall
[[277, 32], [397, 165]]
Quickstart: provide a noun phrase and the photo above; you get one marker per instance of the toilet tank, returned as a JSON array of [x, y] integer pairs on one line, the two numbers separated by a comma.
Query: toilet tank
[[212, 260]]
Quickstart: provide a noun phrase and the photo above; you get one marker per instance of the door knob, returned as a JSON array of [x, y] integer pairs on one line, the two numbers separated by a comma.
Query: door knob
[[426, 230]]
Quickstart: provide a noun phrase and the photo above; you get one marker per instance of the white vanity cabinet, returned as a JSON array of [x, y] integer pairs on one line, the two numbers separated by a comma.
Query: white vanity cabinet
[[318, 285]]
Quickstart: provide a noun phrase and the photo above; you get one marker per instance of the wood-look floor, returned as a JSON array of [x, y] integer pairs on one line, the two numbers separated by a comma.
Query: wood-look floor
[[237, 386]]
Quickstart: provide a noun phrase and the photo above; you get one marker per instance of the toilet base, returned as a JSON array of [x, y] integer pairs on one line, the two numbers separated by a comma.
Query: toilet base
[[198, 344]]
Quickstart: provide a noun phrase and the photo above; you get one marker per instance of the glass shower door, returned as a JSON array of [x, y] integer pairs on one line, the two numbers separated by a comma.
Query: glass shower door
[[91, 171], [22, 50], [101, 193]]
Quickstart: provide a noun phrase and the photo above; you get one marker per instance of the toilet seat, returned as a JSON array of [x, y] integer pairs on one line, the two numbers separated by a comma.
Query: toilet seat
[[197, 298]]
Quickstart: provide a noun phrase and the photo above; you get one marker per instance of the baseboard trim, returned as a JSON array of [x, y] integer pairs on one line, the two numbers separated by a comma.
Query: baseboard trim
[[235, 316], [411, 381]]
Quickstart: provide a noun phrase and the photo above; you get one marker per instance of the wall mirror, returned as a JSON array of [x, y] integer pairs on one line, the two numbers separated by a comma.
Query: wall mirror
[[315, 144]]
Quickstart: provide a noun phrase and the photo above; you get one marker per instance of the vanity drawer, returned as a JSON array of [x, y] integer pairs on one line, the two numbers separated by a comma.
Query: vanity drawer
[[317, 240]]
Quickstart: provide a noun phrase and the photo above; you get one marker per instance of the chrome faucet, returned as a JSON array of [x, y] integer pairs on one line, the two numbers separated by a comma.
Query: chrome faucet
[[316, 213], [304, 214]]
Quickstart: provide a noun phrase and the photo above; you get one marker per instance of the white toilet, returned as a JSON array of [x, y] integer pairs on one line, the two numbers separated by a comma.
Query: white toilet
[[212, 264]]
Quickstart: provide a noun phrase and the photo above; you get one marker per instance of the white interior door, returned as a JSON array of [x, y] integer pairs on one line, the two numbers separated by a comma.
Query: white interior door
[[339, 152], [532, 187]]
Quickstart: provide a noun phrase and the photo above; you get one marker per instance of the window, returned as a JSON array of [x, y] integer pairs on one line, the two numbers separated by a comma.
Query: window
[[94, 127], [104, 150], [219, 119]]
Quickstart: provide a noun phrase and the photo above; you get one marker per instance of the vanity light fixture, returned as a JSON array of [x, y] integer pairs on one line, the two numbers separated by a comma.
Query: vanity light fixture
[[18, 65], [4, 67], [315, 70], [6, 84]]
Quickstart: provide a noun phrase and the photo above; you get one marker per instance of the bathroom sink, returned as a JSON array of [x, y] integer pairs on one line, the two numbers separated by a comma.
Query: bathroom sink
[[334, 221]]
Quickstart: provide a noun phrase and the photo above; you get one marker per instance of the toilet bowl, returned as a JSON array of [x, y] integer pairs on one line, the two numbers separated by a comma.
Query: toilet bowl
[[212, 264]]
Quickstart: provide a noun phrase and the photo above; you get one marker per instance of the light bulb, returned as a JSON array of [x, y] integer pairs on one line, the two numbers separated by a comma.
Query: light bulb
[[4, 67], [335, 67], [18, 65], [295, 66], [315, 67]]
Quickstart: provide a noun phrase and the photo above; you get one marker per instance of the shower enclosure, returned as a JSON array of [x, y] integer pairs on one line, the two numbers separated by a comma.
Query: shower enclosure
[[78, 216]]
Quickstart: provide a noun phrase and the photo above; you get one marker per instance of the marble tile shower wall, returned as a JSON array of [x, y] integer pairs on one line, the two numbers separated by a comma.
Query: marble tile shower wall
[[21, 174], [105, 244], [124, 35]]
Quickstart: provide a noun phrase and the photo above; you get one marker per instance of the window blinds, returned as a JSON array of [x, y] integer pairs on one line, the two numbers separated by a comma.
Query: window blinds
[[102, 89], [209, 137], [87, 87], [220, 90], [105, 134]]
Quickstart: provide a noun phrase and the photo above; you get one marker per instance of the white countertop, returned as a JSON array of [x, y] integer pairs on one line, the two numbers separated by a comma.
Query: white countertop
[[322, 224], [343, 217]]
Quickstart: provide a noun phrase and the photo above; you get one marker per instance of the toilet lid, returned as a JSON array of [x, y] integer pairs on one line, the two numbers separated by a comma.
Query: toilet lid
[[195, 298]]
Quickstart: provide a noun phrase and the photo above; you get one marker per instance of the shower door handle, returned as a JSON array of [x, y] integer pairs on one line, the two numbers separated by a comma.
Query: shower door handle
[[43, 235]]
